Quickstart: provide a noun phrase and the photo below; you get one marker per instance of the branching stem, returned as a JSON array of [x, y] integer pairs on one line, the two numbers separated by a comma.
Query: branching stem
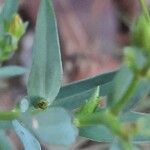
[[115, 109], [105, 118], [9, 115]]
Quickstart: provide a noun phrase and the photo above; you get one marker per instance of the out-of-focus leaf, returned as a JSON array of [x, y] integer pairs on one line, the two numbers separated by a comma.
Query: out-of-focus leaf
[[46, 71], [143, 105], [28, 140], [5, 143], [100, 133], [120, 145], [133, 116], [115, 146], [142, 90], [9, 9], [143, 119], [5, 124], [134, 58], [11, 71], [143, 133], [123, 79], [120, 84], [77, 99], [53, 126], [96, 133]]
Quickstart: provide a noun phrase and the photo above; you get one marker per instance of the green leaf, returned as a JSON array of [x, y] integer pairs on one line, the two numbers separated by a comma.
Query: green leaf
[[142, 120], [5, 143], [91, 104], [132, 116], [143, 134], [97, 133], [86, 84], [77, 99], [11, 71], [115, 146], [134, 58], [53, 126], [5, 124], [102, 134], [9, 9], [28, 140], [46, 72], [141, 92], [75, 94], [121, 145], [120, 84]]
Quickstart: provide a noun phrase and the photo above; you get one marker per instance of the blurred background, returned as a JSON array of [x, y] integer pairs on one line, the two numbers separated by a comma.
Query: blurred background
[[92, 36]]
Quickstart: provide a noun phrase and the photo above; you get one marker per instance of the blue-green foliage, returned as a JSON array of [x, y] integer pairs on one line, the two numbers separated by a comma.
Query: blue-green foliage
[[52, 126], [28, 140], [9, 9], [48, 111], [75, 94], [46, 72], [11, 71]]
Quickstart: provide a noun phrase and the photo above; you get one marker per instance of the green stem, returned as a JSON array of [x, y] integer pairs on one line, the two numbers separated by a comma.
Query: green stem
[[106, 118], [9, 115], [115, 109], [145, 9], [126, 145]]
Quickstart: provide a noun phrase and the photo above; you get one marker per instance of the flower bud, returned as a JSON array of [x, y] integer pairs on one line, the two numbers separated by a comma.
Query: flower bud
[[8, 45], [141, 34], [16, 27], [134, 58]]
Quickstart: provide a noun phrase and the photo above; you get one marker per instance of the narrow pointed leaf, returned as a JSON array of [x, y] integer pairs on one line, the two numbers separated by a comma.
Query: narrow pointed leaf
[[120, 84], [86, 84], [73, 95], [77, 99], [11, 71], [28, 140], [46, 71], [133, 116], [91, 104]]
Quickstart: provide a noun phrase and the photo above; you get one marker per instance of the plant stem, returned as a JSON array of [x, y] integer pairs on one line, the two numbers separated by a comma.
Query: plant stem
[[126, 145], [115, 109], [9, 115], [145, 9], [106, 118]]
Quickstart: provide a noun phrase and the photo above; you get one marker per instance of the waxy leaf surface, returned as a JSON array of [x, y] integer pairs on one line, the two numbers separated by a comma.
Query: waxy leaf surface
[[28, 140], [53, 126], [46, 72]]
